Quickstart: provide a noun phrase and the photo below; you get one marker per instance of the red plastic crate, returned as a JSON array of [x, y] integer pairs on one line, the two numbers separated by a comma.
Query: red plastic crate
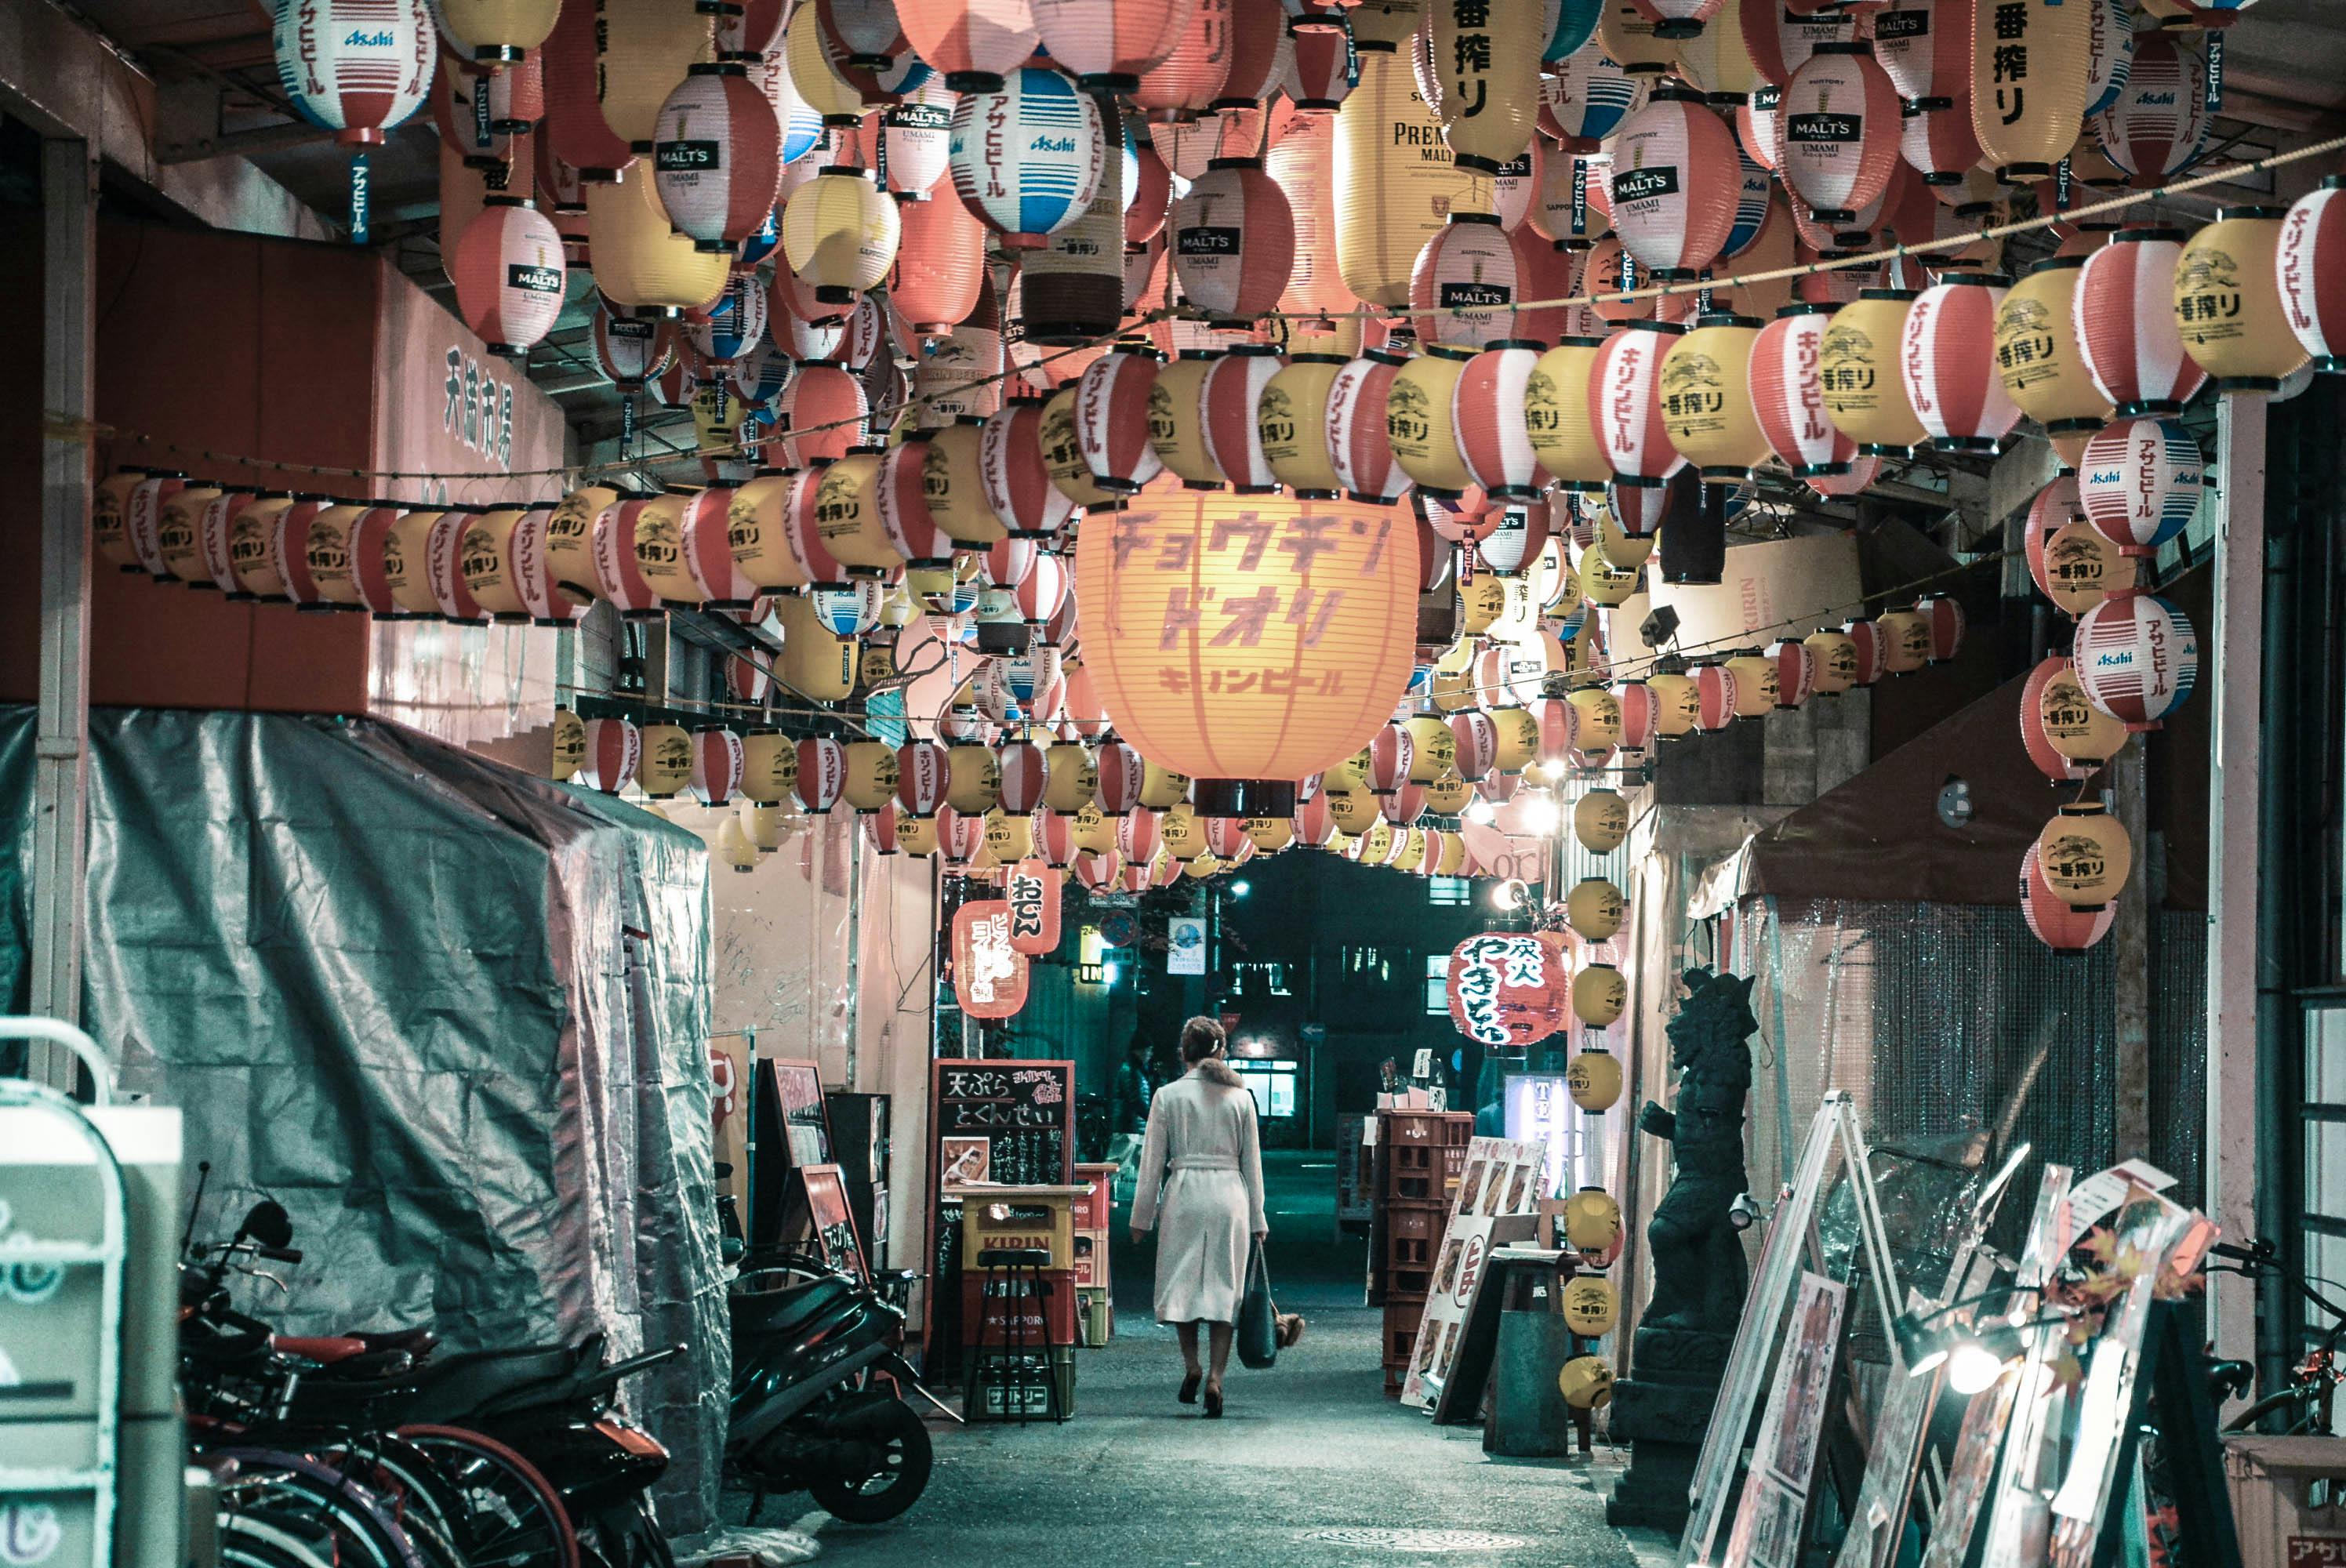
[[1417, 1221], [1409, 1252]]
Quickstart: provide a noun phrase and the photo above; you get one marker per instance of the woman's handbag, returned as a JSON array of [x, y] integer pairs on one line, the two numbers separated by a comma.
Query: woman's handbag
[[1258, 1331]]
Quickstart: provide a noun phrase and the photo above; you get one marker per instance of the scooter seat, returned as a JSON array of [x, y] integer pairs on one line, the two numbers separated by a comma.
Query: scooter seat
[[788, 1310], [449, 1387]]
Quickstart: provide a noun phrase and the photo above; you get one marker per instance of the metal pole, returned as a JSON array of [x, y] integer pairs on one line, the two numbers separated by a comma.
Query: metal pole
[[61, 749], [2130, 956], [2235, 756], [854, 945]]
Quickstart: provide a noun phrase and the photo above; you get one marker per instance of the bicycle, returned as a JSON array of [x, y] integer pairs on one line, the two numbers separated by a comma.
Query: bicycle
[[2307, 1400]]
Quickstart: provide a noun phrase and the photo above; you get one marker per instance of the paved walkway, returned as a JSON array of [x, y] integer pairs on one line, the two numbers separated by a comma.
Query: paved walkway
[[1309, 1447]]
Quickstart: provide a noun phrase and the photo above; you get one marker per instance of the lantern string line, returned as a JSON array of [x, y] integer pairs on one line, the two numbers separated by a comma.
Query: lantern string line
[[62, 427]]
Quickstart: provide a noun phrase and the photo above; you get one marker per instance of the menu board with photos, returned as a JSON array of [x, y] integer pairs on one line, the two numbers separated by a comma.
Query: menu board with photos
[[792, 1133], [1001, 1123]]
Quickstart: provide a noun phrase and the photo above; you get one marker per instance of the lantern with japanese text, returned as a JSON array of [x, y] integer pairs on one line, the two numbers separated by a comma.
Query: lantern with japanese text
[[666, 766], [1836, 130], [1859, 373], [1594, 908], [1946, 360], [2059, 924], [355, 67], [1421, 422], [717, 155], [1233, 240], [716, 766], [1508, 990], [1565, 434], [2064, 733], [1675, 183], [1289, 626], [1463, 282], [1487, 406], [2156, 124], [2084, 855], [1788, 397], [1032, 891], [990, 974], [1396, 178], [2124, 310], [1487, 66], [2140, 482], [1625, 404], [1716, 699], [1228, 400], [614, 749], [2037, 355], [1027, 158], [509, 275], [2228, 301], [2137, 656], [1706, 406], [2030, 74], [2309, 264]]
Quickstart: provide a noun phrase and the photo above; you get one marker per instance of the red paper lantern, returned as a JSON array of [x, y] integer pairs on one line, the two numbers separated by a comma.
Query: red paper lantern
[[973, 42], [2053, 922], [2056, 767], [2124, 311], [1322, 68], [1837, 132], [1939, 145], [1024, 770], [1780, 40], [1233, 240], [939, 262], [717, 157], [825, 411], [1469, 266], [1714, 695], [1016, 480], [2139, 482], [822, 774], [1112, 418], [2137, 656], [1228, 397], [990, 974], [922, 777], [1676, 183], [509, 275], [716, 766], [1943, 618], [1110, 43], [2310, 263], [1796, 671], [1487, 409], [1641, 716], [1358, 445], [1788, 399], [1947, 359], [1191, 77], [1122, 772], [1872, 651], [1624, 405], [2160, 123], [1508, 990], [1139, 834], [1476, 736], [614, 747], [1032, 891]]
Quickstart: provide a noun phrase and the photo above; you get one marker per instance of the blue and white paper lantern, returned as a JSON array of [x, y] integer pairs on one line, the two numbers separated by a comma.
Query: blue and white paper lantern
[[1029, 159]]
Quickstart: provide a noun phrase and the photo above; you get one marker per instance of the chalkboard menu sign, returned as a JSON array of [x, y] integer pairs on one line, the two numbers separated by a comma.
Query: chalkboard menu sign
[[1002, 1123]]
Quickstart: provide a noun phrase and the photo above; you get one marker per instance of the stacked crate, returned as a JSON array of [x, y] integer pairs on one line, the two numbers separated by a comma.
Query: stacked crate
[[1095, 1218], [1420, 1155]]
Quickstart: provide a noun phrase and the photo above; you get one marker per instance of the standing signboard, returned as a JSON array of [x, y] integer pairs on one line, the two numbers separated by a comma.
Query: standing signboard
[[1771, 1520], [1004, 1123], [1499, 1182]]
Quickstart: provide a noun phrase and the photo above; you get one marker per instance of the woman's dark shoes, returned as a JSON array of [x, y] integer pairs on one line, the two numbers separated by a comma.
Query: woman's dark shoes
[[1189, 1395], [1213, 1403]]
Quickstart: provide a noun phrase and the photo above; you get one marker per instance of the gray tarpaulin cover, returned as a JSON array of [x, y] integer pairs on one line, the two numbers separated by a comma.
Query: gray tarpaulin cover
[[455, 1018]]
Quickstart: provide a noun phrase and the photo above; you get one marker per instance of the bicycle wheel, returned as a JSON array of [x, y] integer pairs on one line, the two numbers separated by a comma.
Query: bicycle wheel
[[256, 1541], [286, 1487], [421, 1501], [512, 1517]]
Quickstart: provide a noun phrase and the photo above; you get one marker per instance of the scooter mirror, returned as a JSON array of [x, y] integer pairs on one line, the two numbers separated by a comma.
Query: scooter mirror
[[268, 1223]]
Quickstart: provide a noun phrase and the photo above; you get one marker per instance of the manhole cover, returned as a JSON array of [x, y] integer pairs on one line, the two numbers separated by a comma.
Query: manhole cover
[[1419, 1539]]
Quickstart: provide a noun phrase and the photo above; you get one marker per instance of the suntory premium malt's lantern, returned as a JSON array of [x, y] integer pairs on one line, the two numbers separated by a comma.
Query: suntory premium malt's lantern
[[1396, 178], [1233, 240], [1284, 657], [1858, 369], [1837, 130], [1676, 181], [1946, 359], [2030, 73], [2141, 481], [1508, 988], [2228, 301], [2137, 656], [1027, 158], [2037, 356], [717, 155], [2084, 855], [2125, 316], [509, 275], [2310, 263]]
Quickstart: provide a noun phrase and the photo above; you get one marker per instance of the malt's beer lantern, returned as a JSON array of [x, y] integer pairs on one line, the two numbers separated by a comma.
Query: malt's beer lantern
[[1397, 180], [990, 974], [717, 155], [2030, 74], [1925, 47], [2063, 927], [1947, 360], [1625, 404], [2125, 322], [1787, 397], [639, 262], [2137, 656], [2309, 264], [1676, 182], [2228, 301], [1507, 990], [1858, 370], [610, 754], [1706, 399], [1837, 130], [2038, 357], [1463, 282], [1565, 435], [1027, 158], [2140, 482], [509, 275], [1233, 240], [2084, 855]]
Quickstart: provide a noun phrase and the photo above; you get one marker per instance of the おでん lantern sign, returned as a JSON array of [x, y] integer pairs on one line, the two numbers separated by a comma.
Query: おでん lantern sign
[[1247, 641], [1508, 989], [989, 974], [1032, 891]]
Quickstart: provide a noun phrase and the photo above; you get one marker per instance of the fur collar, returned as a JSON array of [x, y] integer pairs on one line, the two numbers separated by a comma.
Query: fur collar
[[1214, 1070]]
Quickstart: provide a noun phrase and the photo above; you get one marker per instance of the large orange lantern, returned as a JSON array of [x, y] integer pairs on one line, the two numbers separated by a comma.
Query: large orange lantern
[[1247, 641], [1508, 989], [990, 976]]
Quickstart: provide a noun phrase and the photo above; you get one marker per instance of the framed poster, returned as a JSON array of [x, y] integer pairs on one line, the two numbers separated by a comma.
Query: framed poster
[[798, 1098], [729, 1104], [834, 1223], [790, 1131], [1771, 1519], [964, 1162]]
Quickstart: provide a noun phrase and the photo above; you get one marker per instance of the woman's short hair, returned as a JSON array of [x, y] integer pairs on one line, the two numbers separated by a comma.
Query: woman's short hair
[[1200, 1038]]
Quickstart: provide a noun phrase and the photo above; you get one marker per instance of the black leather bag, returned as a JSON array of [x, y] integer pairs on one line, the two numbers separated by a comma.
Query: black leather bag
[[1258, 1328]]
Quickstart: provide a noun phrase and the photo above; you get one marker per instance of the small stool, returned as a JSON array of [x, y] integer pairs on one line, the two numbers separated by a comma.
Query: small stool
[[1012, 1272]]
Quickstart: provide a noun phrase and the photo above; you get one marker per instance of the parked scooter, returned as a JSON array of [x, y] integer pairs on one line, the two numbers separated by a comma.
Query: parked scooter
[[807, 1344]]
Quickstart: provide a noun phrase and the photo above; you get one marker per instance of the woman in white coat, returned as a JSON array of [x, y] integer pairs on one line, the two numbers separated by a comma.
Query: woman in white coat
[[1202, 1175]]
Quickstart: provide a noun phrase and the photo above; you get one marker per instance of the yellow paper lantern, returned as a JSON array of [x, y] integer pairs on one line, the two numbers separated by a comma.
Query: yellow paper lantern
[[1176, 424], [1594, 907], [1518, 739], [1603, 582], [2083, 566], [1093, 830], [953, 482], [2228, 301], [1409, 848], [1556, 415], [770, 766], [815, 663], [566, 746], [972, 778], [2030, 74], [1271, 834], [1625, 35], [1071, 779], [644, 48], [755, 522], [828, 93], [405, 562], [179, 537], [1433, 747], [1183, 832], [638, 260], [1291, 419], [1396, 178], [1353, 810], [1421, 422], [1706, 395], [1244, 668], [1486, 63], [1677, 703], [666, 766], [2073, 726], [498, 32], [1481, 601], [1756, 685], [1599, 993], [847, 515], [1586, 1382], [1063, 452], [1161, 789], [1448, 795], [2084, 856], [840, 232], [917, 835], [1600, 720], [869, 781], [1857, 370], [1594, 1080], [1375, 844], [1905, 642], [1591, 1306], [1352, 773], [1600, 820], [1592, 1220], [2036, 353], [1622, 550], [1833, 660]]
